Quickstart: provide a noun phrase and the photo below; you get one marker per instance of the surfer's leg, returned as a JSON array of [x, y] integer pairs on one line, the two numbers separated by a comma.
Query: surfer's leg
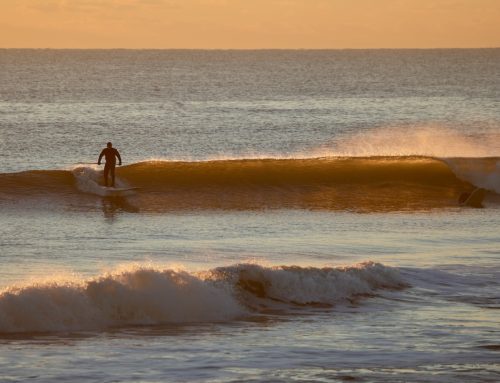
[[112, 170], [106, 171]]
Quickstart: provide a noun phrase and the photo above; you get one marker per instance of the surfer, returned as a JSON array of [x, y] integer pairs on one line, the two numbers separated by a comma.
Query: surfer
[[110, 154]]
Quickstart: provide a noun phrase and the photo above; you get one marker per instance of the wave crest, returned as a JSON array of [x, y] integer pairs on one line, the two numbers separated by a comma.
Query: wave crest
[[311, 285]]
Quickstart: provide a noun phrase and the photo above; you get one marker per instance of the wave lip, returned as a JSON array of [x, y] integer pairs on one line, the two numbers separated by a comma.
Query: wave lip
[[150, 296]]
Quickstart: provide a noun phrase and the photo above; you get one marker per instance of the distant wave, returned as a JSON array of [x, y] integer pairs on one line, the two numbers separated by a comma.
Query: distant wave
[[153, 296], [333, 183]]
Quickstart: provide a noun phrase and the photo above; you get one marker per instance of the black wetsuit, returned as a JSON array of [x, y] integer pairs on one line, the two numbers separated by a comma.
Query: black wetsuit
[[110, 154]]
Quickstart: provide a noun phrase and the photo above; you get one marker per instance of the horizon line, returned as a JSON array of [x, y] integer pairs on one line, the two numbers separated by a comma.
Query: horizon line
[[252, 49]]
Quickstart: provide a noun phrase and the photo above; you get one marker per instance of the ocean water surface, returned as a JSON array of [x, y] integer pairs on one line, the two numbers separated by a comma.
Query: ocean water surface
[[296, 217]]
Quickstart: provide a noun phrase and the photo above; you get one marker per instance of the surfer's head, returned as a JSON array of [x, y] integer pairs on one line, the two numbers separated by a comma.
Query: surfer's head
[[109, 144]]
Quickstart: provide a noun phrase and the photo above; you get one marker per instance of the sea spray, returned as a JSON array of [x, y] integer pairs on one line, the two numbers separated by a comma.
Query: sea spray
[[419, 140], [480, 172]]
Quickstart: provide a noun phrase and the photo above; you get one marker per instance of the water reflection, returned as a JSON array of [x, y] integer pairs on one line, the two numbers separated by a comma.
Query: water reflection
[[111, 206]]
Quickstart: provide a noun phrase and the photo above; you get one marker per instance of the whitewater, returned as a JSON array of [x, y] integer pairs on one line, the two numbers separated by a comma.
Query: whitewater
[[296, 216], [148, 296]]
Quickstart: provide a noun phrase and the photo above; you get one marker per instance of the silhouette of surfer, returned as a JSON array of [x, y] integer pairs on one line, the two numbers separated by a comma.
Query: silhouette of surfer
[[110, 154]]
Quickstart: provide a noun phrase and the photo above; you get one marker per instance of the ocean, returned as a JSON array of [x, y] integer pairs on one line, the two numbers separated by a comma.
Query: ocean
[[296, 217]]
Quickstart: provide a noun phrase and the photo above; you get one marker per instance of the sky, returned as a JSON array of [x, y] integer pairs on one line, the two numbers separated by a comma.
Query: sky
[[249, 24]]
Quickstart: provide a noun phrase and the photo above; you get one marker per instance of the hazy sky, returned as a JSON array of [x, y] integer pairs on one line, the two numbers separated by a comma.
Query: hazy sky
[[249, 23]]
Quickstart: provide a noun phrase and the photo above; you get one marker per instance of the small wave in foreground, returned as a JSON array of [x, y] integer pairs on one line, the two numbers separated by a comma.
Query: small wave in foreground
[[153, 296]]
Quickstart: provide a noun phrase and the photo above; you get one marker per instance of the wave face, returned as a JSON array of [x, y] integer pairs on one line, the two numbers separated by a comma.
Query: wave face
[[153, 296], [332, 183]]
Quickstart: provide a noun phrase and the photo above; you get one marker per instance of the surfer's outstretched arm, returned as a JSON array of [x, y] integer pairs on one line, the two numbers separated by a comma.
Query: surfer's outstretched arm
[[119, 158], [100, 158]]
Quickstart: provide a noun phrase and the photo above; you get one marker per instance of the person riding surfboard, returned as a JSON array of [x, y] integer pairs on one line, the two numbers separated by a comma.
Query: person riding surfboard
[[110, 154]]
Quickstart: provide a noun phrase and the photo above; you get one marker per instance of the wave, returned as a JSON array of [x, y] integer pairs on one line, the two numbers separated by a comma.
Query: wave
[[333, 183], [152, 296]]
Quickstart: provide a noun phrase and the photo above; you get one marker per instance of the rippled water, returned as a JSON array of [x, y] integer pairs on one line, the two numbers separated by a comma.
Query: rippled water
[[298, 216]]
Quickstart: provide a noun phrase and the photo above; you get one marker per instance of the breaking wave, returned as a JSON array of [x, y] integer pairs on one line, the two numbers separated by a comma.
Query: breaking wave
[[153, 296], [333, 183]]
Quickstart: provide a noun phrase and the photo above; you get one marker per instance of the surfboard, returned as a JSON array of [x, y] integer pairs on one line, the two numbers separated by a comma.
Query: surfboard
[[117, 192], [475, 199]]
